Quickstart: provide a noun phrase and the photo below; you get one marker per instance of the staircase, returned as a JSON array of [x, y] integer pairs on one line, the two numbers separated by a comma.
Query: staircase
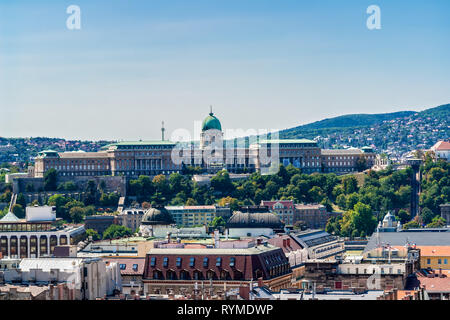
[[13, 201]]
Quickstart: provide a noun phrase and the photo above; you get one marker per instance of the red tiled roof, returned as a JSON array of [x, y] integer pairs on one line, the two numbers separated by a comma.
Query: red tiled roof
[[286, 203], [278, 242], [441, 146], [435, 284], [434, 251]]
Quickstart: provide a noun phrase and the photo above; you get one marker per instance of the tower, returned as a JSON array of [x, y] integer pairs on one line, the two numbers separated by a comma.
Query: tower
[[211, 131]]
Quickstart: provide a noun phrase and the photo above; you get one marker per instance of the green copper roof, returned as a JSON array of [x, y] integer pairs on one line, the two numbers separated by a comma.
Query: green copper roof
[[9, 217], [139, 144], [143, 143], [211, 122]]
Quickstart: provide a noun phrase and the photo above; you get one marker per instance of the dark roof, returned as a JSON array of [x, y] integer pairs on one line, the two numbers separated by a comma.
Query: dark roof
[[422, 238], [157, 215], [254, 220], [310, 238]]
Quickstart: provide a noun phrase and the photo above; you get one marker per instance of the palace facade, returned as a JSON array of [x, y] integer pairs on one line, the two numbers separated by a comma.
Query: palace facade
[[212, 154]]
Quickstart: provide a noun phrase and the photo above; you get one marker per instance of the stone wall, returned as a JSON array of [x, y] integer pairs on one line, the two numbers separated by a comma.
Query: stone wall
[[112, 184]]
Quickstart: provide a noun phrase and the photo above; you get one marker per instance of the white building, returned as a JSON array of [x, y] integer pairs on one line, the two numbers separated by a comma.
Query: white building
[[38, 237], [442, 150], [89, 278]]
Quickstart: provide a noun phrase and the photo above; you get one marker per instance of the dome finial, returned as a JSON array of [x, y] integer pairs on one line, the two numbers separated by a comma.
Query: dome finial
[[210, 110]]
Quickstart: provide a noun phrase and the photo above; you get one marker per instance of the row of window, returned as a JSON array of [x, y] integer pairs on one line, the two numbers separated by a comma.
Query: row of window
[[439, 261], [123, 266], [179, 260]]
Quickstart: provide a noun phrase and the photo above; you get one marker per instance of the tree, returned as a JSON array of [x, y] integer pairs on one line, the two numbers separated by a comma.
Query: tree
[[115, 231], [76, 214], [18, 211], [90, 197], [361, 164], [50, 180], [358, 220], [59, 201], [427, 215], [437, 222], [21, 200], [350, 184], [413, 224], [191, 202], [92, 233], [218, 222], [403, 216], [221, 182], [229, 201]]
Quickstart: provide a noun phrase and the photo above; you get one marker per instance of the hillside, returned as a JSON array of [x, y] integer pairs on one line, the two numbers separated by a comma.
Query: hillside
[[394, 133], [354, 120]]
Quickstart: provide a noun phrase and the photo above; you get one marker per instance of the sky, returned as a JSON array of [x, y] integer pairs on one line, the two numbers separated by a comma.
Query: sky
[[261, 64]]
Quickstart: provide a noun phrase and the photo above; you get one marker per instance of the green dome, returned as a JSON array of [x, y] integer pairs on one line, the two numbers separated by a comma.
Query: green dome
[[211, 122]]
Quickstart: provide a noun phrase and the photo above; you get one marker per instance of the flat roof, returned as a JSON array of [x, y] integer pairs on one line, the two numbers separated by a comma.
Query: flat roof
[[422, 238], [141, 143]]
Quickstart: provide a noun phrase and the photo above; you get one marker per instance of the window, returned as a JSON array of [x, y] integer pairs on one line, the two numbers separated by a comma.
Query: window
[[428, 261], [205, 262], [122, 266], [135, 267], [178, 262], [218, 262], [445, 261], [232, 262], [165, 261], [439, 261], [192, 262]]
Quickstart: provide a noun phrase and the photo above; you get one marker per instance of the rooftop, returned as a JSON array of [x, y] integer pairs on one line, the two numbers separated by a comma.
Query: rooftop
[[422, 238], [287, 141], [214, 251]]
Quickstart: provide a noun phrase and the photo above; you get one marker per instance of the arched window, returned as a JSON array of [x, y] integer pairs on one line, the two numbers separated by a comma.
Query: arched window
[[210, 275], [197, 275], [171, 275], [184, 275]]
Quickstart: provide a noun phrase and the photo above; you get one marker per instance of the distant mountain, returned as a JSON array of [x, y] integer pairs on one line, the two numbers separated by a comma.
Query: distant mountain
[[394, 133]]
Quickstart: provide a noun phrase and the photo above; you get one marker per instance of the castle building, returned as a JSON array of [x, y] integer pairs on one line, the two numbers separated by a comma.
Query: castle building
[[212, 154]]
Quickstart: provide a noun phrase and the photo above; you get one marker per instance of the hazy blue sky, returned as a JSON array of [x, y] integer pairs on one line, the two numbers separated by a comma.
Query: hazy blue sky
[[261, 64]]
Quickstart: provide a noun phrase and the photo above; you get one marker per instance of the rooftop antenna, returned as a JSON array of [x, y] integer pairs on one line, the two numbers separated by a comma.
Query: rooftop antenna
[[162, 131]]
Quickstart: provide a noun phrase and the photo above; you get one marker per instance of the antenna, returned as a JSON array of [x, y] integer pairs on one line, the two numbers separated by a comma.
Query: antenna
[[162, 131]]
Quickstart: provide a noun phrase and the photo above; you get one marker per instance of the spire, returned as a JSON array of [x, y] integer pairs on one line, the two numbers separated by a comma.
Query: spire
[[162, 131], [210, 111]]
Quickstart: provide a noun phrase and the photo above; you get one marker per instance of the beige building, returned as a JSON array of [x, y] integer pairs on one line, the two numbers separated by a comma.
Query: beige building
[[130, 218]]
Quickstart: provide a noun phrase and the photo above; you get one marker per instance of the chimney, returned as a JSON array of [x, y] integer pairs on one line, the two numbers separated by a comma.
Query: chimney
[[244, 292], [260, 282]]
